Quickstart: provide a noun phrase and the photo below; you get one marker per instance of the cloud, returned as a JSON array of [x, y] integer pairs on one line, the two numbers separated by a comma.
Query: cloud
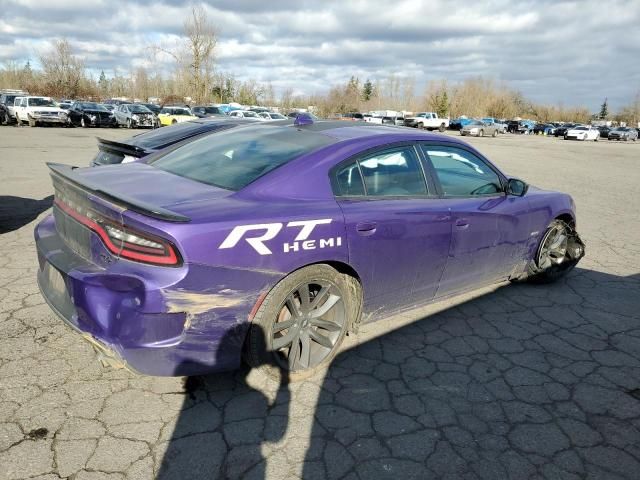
[[575, 52]]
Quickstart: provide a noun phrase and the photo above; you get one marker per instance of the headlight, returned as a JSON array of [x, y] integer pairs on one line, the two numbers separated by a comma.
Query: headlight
[[135, 117], [473, 130], [92, 117]]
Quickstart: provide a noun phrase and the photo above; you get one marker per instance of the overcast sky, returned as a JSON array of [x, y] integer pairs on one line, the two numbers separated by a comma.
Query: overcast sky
[[574, 52]]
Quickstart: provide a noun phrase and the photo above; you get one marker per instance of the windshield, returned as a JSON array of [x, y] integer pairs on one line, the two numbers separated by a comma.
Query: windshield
[[232, 159], [475, 122], [41, 102], [581, 128], [622, 129], [250, 114], [422, 114], [138, 109], [277, 116]]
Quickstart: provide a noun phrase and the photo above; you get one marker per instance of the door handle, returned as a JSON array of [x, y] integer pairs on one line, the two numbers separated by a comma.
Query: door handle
[[366, 228], [462, 223]]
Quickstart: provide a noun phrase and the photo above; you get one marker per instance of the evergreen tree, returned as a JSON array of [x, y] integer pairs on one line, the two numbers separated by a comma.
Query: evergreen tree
[[443, 105], [103, 83], [604, 110], [367, 90]]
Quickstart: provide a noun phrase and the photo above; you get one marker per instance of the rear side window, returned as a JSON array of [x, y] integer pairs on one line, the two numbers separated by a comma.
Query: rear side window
[[349, 180], [394, 172], [234, 158]]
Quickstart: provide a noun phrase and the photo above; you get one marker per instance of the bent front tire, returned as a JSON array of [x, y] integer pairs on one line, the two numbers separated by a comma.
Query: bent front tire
[[302, 321], [558, 253]]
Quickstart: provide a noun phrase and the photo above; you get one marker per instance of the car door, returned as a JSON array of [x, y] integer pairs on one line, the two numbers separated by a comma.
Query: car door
[[490, 230], [398, 231]]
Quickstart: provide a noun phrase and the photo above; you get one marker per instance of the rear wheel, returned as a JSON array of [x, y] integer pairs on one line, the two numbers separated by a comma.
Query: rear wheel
[[495, 133], [558, 253], [441, 128], [174, 121], [302, 321], [481, 133]]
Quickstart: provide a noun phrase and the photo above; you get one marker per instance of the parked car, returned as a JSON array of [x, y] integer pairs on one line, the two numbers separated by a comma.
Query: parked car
[[271, 116], [152, 106], [564, 128], [142, 145], [206, 111], [7, 98], [523, 127], [132, 115], [604, 131], [262, 242], [65, 105], [38, 111], [623, 133], [502, 127], [458, 123], [544, 129], [583, 132], [109, 106], [244, 114], [90, 114], [173, 115], [427, 121], [478, 128]]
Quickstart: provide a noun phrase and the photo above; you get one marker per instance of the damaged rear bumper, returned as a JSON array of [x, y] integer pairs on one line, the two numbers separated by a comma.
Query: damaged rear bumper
[[152, 320]]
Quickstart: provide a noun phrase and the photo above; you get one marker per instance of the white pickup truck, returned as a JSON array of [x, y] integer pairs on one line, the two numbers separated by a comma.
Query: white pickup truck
[[38, 110], [428, 121]]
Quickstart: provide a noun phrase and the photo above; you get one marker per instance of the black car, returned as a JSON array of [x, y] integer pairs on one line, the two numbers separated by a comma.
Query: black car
[[563, 129], [201, 111], [152, 106], [604, 131], [90, 114], [139, 146]]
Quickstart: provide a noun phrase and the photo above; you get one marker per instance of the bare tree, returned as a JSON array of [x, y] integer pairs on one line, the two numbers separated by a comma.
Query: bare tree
[[63, 73], [195, 55]]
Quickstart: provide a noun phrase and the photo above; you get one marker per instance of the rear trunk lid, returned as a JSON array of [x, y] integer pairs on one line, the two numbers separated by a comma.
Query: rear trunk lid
[[89, 200]]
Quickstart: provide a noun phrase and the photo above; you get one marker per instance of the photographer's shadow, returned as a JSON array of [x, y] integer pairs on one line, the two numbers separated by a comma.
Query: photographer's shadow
[[16, 212], [224, 423]]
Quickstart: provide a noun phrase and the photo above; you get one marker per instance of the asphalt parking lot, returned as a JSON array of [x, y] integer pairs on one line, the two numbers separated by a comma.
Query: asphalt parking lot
[[516, 382]]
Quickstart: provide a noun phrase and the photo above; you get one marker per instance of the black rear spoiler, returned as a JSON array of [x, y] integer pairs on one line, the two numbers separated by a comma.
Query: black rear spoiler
[[69, 175], [123, 148]]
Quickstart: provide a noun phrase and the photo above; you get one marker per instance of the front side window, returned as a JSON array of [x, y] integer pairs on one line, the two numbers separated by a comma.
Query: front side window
[[461, 173], [391, 173]]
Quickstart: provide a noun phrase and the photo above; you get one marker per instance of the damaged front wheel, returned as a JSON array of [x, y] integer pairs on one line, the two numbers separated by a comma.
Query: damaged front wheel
[[559, 252]]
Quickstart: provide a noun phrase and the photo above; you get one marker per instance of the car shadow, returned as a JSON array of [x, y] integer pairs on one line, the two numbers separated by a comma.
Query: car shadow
[[224, 423], [16, 212], [526, 381]]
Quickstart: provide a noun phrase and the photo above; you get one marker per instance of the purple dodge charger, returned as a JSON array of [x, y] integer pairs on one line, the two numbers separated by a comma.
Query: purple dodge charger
[[271, 242]]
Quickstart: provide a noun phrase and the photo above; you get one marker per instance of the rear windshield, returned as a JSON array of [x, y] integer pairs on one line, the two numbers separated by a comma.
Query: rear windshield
[[233, 159]]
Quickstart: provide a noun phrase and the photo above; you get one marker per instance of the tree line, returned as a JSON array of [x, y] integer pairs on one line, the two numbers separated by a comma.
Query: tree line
[[64, 75]]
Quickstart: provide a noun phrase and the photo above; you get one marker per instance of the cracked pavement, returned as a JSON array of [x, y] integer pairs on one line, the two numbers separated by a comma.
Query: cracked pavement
[[518, 382]]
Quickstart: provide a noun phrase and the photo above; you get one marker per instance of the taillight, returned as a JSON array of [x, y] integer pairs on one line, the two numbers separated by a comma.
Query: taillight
[[124, 241]]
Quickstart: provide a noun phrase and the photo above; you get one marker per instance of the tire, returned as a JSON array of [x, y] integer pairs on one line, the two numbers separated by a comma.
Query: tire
[[174, 121], [495, 133], [6, 120], [32, 122], [481, 133], [441, 128], [83, 124], [553, 258], [129, 123], [18, 121], [275, 333]]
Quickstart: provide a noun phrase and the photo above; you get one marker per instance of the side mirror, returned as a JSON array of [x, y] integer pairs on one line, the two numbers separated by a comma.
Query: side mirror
[[516, 187]]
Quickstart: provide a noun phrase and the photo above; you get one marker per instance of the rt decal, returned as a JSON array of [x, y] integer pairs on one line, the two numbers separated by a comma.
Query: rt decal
[[257, 235]]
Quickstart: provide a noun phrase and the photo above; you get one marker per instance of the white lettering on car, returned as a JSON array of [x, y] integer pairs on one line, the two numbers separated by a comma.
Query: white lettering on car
[[268, 231]]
